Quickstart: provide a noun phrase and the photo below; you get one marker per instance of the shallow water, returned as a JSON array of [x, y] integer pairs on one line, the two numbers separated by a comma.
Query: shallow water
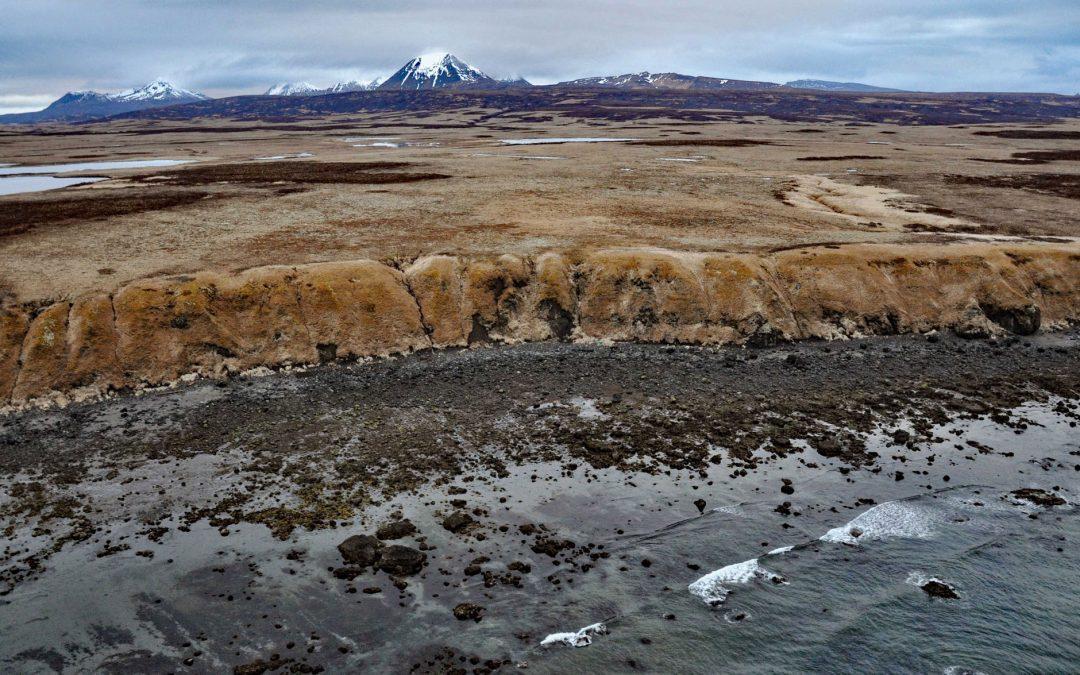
[[295, 155], [15, 179], [844, 607], [13, 185], [91, 166]]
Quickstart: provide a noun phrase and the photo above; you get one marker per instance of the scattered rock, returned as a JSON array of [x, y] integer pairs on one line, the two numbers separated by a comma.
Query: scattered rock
[[348, 573], [939, 589], [468, 611], [457, 521], [1038, 497]]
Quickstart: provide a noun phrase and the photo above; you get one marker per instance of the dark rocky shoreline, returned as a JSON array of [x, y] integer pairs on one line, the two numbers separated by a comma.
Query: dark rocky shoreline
[[338, 449]]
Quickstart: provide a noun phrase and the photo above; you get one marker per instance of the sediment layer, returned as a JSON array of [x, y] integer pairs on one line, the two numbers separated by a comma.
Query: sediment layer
[[155, 331]]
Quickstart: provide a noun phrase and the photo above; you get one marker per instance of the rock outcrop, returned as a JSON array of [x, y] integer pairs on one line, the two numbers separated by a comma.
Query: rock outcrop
[[155, 331]]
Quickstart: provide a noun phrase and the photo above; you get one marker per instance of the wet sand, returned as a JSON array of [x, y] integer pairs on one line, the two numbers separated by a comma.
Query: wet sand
[[551, 487]]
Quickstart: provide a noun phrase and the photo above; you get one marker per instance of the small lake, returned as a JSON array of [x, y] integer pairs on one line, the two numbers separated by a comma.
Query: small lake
[[12, 170], [15, 179], [13, 185]]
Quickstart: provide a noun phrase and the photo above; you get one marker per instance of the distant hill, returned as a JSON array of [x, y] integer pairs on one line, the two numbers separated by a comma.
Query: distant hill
[[828, 85], [646, 80], [76, 106]]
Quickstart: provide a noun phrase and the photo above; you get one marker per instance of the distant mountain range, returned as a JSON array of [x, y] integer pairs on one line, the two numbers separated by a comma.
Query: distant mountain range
[[307, 89], [75, 106], [429, 71], [828, 85], [667, 81]]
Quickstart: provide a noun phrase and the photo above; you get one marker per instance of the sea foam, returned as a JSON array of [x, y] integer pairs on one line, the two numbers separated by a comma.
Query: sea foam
[[713, 587], [885, 521], [580, 638]]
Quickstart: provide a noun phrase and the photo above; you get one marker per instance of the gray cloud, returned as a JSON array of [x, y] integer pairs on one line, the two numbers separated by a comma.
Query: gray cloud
[[221, 47]]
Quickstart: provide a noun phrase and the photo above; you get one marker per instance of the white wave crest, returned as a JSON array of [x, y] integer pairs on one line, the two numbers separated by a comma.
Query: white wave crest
[[713, 587], [580, 638], [885, 521]]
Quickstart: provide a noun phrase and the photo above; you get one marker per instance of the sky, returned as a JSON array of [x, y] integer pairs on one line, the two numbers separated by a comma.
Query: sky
[[229, 47]]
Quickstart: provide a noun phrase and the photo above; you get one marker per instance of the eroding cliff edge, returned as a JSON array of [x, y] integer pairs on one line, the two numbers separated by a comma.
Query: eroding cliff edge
[[156, 331]]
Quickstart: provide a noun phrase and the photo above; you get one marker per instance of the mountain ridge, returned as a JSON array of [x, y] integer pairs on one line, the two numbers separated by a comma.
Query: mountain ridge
[[830, 85], [647, 80], [75, 106]]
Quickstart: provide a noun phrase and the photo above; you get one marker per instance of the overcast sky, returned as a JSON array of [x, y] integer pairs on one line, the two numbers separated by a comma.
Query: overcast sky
[[224, 47]]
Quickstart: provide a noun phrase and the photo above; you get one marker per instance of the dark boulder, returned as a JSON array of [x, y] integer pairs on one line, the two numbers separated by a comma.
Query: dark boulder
[[1023, 320], [457, 521], [467, 611], [396, 529], [401, 560], [360, 549], [939, 589]]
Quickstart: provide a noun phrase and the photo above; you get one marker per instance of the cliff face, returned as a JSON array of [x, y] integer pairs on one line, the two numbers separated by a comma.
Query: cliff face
[[156, 331]]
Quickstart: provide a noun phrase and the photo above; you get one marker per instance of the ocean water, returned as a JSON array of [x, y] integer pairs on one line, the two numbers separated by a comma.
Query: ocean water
[[727, 588]]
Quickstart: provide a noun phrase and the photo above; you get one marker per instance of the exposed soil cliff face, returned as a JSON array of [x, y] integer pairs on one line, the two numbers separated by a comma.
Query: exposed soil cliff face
[[155, 331]]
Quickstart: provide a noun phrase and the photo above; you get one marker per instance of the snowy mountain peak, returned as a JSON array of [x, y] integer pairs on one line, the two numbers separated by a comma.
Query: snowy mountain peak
[[159, 90], [433, 70], [292, 89], [354, 85], [86, 95]]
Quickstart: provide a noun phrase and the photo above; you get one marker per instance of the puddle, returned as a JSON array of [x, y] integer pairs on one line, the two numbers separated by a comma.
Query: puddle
[[494, 154], [392, 144], [359, 139], [546, 141], [296, 155]]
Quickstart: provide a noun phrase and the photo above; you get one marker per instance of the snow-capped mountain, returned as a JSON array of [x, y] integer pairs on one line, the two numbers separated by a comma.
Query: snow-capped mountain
[[293, 89], [828, 85], [515, 81], [308, 89], [353, 85], [646, 80], [162, 92], [84, 105], [431, 71]]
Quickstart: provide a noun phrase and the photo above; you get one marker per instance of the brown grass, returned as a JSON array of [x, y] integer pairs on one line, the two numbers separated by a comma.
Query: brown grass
[[838, 158], [1051, 134], [371, 173], [1056, 184], [1038, 157], [704, 142], [21, 215]]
